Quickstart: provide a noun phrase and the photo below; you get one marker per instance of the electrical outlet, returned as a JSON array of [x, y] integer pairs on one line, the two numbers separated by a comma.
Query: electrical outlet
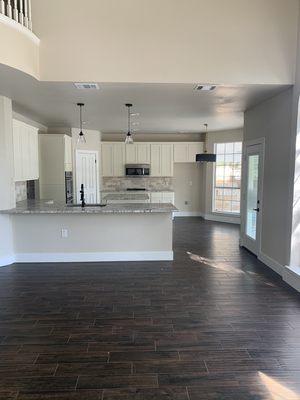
[[64, 233]]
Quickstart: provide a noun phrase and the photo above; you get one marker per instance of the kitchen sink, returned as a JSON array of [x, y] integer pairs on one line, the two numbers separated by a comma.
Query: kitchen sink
[[87, 205]]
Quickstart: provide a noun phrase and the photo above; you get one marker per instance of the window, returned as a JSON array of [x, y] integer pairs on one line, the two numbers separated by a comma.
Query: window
[[227, 178]]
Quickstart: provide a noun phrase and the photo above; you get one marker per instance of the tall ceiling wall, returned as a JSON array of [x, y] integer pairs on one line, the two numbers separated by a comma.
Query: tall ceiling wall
[[220, 41]]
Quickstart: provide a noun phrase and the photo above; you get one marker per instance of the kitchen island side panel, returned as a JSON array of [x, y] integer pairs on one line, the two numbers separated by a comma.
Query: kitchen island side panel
[[92, 237]]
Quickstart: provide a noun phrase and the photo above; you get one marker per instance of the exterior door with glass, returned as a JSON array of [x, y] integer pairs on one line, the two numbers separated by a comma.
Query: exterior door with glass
[[252, 196]]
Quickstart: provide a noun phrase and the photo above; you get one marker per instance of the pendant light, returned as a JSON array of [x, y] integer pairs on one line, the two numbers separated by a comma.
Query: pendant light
[[81, 138], [206, 157], [129, 139]]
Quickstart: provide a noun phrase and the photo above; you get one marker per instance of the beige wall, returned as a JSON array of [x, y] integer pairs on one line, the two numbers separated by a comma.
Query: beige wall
[[189, 187], [272, 120], [18, 49], [228, 42], [235, 135]]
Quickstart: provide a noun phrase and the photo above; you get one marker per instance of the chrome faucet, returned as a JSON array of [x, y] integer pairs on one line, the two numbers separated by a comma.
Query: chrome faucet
[[82, 196]]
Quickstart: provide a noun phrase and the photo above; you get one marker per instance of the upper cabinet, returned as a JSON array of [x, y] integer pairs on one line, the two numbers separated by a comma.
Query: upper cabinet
[[26, 151], [161, 156], [186, 152], [113, 159], [162, 159], [137, 153]]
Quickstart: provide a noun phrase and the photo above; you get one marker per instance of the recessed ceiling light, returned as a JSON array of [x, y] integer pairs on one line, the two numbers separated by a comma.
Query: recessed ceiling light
[[87, 86], [205, 88]]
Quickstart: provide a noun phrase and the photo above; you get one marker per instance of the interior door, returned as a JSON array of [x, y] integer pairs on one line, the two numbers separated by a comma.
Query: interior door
[[252, 197], [87, 174]]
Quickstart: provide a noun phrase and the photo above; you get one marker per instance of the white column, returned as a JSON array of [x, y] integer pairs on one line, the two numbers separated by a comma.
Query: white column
[[15, 11], [2, 7], [9, 9], [7, 198], [29, 15], [21, 15], [26, 13]]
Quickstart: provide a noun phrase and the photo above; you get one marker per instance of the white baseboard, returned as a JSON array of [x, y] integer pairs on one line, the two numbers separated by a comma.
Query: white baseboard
[[274, 265], [188, 214], [8, 260], [222, 218], [94, 257], [292, 277]]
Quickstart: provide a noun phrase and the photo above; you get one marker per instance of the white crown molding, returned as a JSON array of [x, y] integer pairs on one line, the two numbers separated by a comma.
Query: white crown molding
[[14, 24]]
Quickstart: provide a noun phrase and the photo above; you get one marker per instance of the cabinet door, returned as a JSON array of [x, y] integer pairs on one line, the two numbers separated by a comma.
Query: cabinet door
[[193, 149], [25, 143], [131, 153], [68, 153], [119, 159], [18, 169], [155, 160], [33, 167], [180, 152], [168, 197], [143, 153], [156, 197], [107, 159], [167, 160]]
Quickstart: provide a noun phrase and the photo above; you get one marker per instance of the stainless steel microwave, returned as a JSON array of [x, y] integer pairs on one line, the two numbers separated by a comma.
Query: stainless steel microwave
[[136, 170]]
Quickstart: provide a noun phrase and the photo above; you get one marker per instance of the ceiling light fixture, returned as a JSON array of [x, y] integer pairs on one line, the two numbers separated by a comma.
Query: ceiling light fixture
[[81, 138], [129, 139], [206, 157], [205, 88]]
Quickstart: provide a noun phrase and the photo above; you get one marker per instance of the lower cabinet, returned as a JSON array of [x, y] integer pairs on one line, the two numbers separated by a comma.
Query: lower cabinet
[[26, 151], [163, 197]]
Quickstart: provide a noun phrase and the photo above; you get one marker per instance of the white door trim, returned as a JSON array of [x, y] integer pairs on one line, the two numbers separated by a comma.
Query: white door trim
[[259, 141], [96, 152]]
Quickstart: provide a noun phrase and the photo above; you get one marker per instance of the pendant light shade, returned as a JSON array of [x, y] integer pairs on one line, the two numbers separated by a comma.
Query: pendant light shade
[[81, 137], [206, 157], [129, 139]]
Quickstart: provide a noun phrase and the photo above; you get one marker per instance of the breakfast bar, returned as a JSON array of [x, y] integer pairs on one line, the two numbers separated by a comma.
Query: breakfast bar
[[54, 232]]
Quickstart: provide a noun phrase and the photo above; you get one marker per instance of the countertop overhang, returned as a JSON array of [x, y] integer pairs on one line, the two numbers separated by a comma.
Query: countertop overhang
[[49, 207]]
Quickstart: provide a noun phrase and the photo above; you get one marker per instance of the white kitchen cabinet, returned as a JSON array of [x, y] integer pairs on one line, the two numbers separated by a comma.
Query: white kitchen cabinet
[[113, 159], [68, 153], [26, 153], [137, 153], [163, 197], [162, 159], [186, 152]]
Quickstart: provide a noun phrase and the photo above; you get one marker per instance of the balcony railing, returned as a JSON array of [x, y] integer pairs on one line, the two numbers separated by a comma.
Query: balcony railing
[[17, 10]]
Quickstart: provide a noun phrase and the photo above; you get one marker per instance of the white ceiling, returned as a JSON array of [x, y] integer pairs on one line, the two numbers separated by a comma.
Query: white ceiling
[[163, 108]]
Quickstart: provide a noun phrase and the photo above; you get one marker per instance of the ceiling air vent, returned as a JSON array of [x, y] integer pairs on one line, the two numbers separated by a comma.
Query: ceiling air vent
[[205, 88], [87, 86]]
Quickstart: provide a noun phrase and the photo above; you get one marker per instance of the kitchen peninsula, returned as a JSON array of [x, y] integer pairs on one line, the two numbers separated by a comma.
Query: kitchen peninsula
[[47, 231]]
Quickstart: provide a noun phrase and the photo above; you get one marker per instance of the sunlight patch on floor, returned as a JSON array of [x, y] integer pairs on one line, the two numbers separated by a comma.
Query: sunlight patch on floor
[[277, 390], [211, 263]]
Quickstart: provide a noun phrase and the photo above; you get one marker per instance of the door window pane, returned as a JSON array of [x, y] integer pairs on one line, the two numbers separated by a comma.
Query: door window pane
[[227, 178], [252, 195]]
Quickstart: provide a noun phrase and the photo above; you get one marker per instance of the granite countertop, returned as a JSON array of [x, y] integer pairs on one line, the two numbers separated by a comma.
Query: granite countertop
[[126, 196], [50, 207], [138, 191]]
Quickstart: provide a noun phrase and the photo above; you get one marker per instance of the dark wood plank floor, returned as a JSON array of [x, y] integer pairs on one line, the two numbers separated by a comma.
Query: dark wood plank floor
[[215, 324]]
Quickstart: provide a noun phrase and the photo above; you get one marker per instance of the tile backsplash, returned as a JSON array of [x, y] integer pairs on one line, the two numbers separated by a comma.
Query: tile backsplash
[[21, 191], [121, 184]]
